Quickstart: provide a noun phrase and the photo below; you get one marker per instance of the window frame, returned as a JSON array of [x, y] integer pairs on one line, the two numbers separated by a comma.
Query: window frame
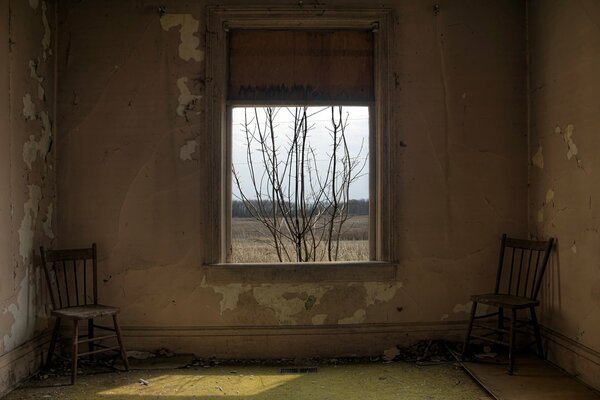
[[218, 115]]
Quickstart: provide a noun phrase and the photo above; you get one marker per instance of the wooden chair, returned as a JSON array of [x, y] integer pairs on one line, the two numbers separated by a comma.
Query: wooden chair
[[68, 282], [516, 289]]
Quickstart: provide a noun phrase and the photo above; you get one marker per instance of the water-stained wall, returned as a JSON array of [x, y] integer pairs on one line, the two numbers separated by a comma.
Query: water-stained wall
[[27, 181], [564, 195], [133, 176]]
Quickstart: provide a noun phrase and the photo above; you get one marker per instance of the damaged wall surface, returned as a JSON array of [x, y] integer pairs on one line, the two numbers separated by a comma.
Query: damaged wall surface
[[563, 203], [133, 172], [27, 181]]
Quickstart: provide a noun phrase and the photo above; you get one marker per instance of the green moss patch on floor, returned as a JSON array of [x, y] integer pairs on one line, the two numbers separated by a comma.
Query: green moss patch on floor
[[379, 381]]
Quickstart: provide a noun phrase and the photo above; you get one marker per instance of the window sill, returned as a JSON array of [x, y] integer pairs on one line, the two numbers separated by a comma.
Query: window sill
[[352, 271]]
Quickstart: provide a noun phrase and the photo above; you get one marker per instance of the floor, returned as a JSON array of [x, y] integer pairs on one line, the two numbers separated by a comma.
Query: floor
[[377, 380], [533, 379]]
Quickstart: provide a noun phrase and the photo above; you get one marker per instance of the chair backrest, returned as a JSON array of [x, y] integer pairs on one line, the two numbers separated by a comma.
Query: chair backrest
[[521, 266], [68, 278]]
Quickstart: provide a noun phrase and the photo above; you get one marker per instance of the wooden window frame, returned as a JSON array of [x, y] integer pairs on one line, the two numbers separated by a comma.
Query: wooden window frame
[[218, 114]]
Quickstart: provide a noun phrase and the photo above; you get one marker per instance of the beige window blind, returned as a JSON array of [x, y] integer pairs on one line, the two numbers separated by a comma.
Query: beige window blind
[[300, 65]]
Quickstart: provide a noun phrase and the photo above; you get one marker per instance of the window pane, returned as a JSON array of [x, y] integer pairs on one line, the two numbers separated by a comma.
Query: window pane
[[300, 184]]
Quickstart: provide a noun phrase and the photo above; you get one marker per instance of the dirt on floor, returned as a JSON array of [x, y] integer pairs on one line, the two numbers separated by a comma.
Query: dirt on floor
[[206, 381]]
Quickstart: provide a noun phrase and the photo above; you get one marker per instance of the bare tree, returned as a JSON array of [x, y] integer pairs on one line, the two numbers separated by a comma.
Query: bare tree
[[302, 201]]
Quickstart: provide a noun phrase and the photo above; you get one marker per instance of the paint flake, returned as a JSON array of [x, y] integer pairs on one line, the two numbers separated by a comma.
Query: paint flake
[[356, 318], [538, 158], [549, 196], [187, 150], [186, 99], [29, 108], [188, 47]]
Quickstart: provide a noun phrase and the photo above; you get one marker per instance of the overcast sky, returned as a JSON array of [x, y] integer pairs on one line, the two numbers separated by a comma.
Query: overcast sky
[[357, 135]]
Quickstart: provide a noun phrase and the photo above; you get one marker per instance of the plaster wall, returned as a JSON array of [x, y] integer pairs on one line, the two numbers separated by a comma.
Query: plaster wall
[[27, 179], [563, 203], [131, 98]]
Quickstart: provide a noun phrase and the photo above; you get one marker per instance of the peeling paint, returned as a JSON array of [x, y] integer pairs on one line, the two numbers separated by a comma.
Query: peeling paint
[[444, 317], [34, 75], [272, 296], [574, 248], [356, 318], [186, 151], [538, 158], [27, 228], [28, 108], [48, 221], [230, 292], [549, 196], [23, 312], [47, 34], [540, 215], [31, 148], [568, 138], [188, 48], [319, 319], [380, 292], [186, 99]]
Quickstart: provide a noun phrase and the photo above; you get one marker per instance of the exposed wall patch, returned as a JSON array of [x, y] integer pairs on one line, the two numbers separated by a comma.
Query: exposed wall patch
[[28, 108], [34, 4], [188, 48], [540, 215], [47, 35], [186, 99], [48, 221], [27, 228], [186, 151], [549, 196], [380, 292], [538, 158], [356, 318], [319, 319], [34, 75]]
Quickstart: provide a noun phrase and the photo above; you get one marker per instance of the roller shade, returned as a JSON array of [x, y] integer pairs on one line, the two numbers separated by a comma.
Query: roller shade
[[300, 65]]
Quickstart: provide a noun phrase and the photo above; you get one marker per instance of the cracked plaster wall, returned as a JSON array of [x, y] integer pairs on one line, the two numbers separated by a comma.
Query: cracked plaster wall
[[564, 175], [133, 175], [27, 181]]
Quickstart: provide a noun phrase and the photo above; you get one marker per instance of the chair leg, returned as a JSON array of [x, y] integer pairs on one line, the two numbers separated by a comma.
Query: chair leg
[[53, 341], [536, 331], [469, 329], [512, 343], [74, 345], [500, 323], [91, 336], [121, 345]]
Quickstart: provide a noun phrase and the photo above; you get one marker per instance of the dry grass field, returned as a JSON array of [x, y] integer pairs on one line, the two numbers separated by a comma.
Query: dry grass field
[[251, 241]]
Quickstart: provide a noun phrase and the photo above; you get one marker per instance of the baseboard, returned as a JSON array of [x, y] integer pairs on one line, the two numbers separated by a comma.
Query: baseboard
[[575, 358], [22, 362], [288, 341]]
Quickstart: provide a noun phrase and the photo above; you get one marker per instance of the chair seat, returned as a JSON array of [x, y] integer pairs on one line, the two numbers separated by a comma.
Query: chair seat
[[504, 300], [85, 312]]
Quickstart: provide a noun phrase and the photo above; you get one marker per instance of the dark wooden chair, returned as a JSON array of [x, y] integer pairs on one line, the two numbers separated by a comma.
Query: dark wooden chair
[[69, 280], [521, 268]]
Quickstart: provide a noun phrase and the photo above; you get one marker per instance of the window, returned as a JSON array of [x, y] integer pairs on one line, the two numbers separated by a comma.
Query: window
[[300, 70]]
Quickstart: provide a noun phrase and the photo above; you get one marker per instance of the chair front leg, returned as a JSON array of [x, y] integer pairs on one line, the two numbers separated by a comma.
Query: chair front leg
[[511, 346], [121, 345], [74, 345], [469, 329], [536, 331], [500, 323], [91, 336]]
